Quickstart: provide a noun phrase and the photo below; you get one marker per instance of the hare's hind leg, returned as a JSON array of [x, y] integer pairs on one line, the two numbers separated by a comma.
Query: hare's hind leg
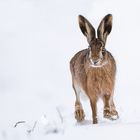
[[107, 113], [79, 112], [114, 112], [109, 108]]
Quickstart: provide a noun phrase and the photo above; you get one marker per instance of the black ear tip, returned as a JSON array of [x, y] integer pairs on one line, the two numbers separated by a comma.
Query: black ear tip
[[80, 17], [109, 16]]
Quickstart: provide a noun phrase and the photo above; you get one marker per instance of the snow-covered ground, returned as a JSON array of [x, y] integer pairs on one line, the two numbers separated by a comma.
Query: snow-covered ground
[[37, 40]]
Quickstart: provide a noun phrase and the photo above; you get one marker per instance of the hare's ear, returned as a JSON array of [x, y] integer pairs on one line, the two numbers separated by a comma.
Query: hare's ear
[[105, 27], [86, 28]]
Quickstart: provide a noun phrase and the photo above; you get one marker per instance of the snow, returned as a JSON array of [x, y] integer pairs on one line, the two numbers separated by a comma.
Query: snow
[[37, 40]]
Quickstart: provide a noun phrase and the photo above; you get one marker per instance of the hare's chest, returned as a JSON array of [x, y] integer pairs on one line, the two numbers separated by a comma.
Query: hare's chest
[[95, 80], [99, 80], [96, 75]]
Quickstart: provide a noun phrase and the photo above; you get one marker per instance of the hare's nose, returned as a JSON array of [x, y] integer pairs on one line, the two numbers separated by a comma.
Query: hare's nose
[[95, 62]]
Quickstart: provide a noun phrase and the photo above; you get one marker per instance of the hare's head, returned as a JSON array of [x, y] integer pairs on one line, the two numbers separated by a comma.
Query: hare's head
[[96, 44]]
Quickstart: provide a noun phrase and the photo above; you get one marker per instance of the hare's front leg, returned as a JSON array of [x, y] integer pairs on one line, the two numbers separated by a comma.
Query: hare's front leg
[[79, 112], [93, 103]]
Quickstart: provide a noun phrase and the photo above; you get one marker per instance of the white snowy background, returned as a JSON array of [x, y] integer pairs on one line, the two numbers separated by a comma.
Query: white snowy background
[[37, 40]]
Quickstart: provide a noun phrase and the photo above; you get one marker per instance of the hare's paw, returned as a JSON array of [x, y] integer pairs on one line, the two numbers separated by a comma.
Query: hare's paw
[[79, 114], [107, 114], [114, 115], [95, 121]]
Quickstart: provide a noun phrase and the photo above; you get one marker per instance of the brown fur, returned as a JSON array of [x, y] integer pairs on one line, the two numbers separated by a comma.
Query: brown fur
[[96, 82]]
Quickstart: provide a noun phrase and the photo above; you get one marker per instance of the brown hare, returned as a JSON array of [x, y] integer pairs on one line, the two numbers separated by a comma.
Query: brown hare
[[93, 70]]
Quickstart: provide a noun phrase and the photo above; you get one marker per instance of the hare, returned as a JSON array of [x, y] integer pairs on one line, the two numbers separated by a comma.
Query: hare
[[93, 70]]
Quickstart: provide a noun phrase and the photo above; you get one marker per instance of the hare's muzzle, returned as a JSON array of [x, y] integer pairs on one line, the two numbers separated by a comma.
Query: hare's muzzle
[[96, 62]]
